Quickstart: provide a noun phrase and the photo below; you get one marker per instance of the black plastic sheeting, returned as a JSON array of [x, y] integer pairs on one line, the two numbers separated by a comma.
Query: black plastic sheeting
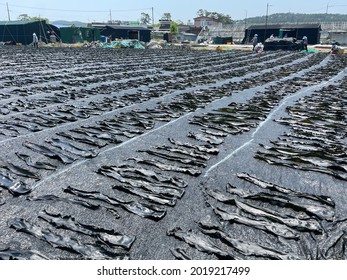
[[230, 155]]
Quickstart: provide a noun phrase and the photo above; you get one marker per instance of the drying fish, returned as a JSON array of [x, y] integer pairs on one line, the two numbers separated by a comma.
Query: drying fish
[[247, 248], [324, 156], [308, 147], [110, 237], [8, 130], [201, 243], [103, 136], [201, 148], [38, 164], [11, 254], [293, 222], [166, 167], [15, 188], [324, 170], [171, 157], [142, 174], [273, 187], [219, 196], [224, 130], [320, 211], [66, 146], [158, 188], [45, 118], [88, 251], [63, 117], [275, 229], [75, 112], [49, 152], [213, 133], [55, 198], [301, 225], [160, 199], [206, 138], [194, 154], [334, 236], [28, 126], [85, 140], [112, 131], [17, 170], [180, 254], [42, 122], [134, 207], [311, 138]]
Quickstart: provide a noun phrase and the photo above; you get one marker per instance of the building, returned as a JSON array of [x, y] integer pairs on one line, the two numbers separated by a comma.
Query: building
[[298, 31], [206, 21], [184, 36], [165, 25], [338, 36], [72, 35], [113, 31], [21, 31]]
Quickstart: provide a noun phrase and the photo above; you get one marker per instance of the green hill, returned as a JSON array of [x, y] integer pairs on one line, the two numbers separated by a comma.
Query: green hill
[[69, 23], [296, 18]]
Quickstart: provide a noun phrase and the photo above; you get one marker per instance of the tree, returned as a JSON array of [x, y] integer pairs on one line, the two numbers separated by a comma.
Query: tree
[[166, 16], [27, 17], [225, 19], [145, 18], [201, 13], [173, 28]]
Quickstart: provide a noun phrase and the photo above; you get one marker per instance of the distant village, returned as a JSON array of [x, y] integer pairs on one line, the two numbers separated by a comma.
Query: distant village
[[206, 28]]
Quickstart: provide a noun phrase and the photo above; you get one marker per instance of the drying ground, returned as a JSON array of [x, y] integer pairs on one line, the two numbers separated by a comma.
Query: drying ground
[[172, 154]]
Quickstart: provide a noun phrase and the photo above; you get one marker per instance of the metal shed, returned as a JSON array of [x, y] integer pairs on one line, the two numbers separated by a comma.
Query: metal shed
[[338, 36], [298, 31], [21, 31], [124, 32], [71, 35]]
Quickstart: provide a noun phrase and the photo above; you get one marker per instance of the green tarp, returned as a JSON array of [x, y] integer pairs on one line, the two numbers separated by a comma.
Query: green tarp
[[132, 44]]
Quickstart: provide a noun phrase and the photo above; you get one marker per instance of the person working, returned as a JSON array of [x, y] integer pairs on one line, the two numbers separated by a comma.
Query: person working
[[255, 41], [35, 41], [305, 43]]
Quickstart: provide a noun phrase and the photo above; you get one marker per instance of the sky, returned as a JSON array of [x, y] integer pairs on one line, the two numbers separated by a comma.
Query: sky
[[184, 10]]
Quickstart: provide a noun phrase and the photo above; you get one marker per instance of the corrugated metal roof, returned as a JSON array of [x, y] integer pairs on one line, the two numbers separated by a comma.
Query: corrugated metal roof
[[127, 27]]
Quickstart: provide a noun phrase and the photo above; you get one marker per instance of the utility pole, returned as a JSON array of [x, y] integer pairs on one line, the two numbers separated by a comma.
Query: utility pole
[[266, 19], [8, 12], [327, 8], [110, 16], [152, 16]]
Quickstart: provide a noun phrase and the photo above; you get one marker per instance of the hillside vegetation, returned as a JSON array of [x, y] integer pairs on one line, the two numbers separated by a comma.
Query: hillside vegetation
[[296, 18]]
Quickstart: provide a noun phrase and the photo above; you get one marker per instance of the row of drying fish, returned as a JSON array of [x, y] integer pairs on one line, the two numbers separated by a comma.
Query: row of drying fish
[[126, 80], [281, 223], [105, 132], [97, 107], [147, 184], [315, 141], [241, 117], [107, 243]]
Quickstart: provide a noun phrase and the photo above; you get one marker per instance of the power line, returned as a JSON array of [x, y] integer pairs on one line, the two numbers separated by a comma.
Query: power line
[[78, 11]]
